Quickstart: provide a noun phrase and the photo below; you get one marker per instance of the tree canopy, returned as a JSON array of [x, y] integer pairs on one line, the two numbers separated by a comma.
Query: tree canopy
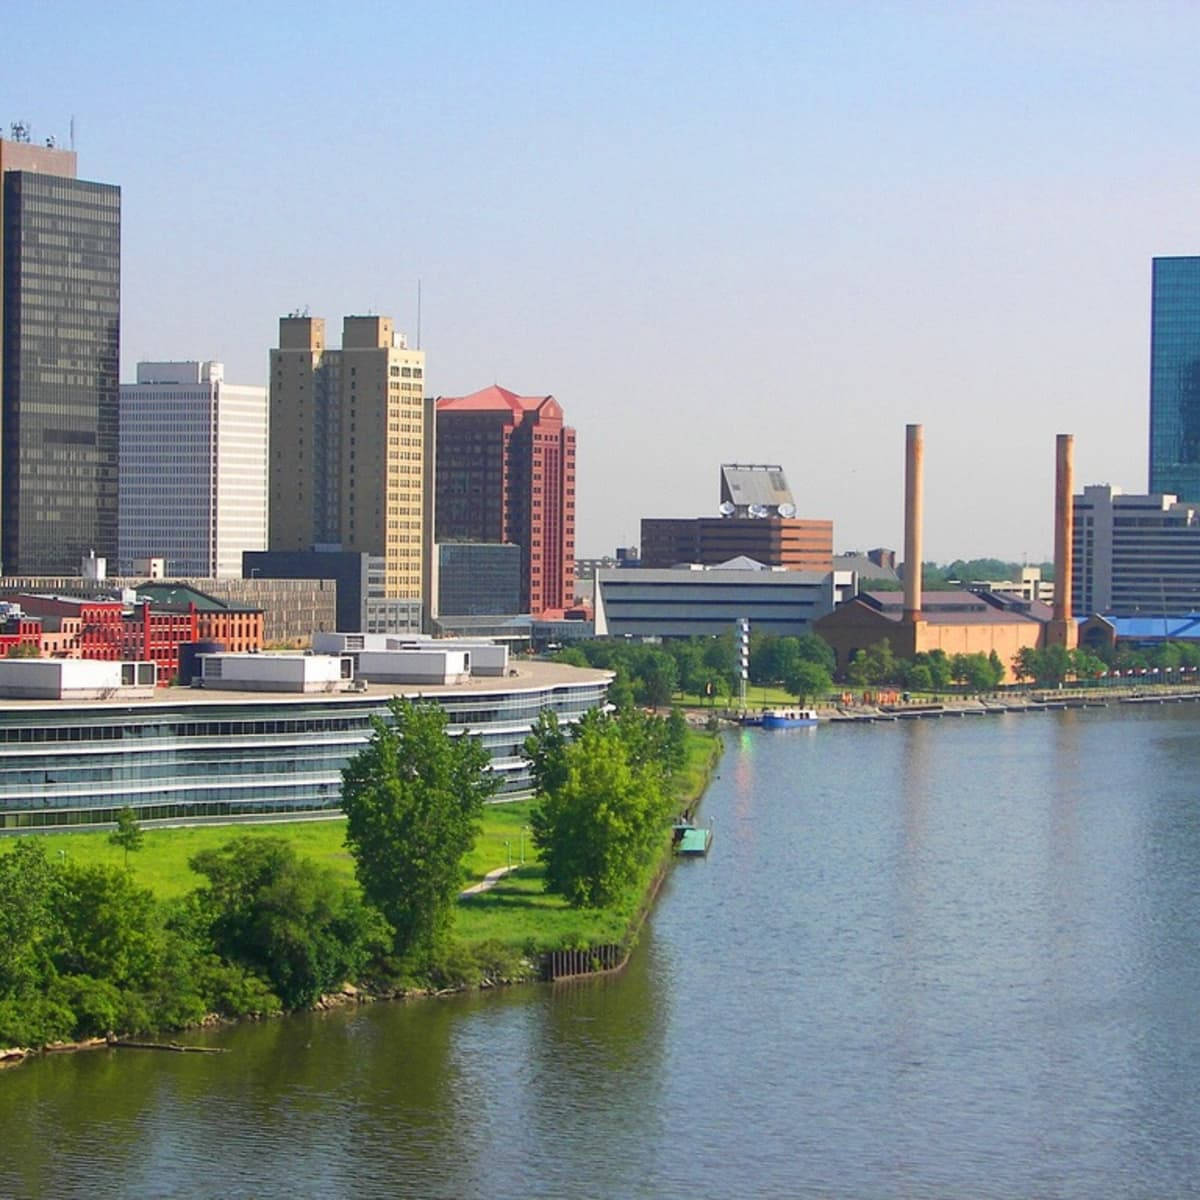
[[602, 817], [412, 799]]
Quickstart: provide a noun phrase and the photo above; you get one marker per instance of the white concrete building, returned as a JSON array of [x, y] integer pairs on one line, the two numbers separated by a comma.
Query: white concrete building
[[193, 470], [702, 601], [1135, 553]]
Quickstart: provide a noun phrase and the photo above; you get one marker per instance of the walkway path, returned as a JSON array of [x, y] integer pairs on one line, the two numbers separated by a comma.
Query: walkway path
[[488, 881]]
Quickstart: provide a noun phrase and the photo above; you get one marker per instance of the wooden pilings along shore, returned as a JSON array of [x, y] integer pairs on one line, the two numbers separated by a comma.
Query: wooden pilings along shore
[[569, 964]]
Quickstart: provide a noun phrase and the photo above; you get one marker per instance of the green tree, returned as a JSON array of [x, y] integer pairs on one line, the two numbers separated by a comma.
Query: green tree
[[23, 650], [1056, 664], [874, 665], [918, 677], [620, 691], [689, 664], [1085, 664], [598, 830], [1027, 664], [545, 750], [657, 679], [29, 924], [128, 833], [412, 799], [284, 917], [807, 680]]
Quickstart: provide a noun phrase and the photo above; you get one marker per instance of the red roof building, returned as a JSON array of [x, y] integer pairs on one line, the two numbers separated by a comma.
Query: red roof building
[[506, 473]]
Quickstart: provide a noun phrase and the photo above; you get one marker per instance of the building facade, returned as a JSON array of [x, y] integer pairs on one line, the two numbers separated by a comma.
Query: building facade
[[702, 603], [953, 622], [506, 473], [478, 579], [348, 448], [793, 543], [1135, 553], [1175, 378], [217, 755], [193, 470], [60, 316]]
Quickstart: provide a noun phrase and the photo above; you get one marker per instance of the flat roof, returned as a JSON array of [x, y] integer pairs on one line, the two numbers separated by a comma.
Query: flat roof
[[531, 675]]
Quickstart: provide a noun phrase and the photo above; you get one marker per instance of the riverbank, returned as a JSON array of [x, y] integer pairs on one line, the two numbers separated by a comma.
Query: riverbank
[[505, 934], [990, 704]]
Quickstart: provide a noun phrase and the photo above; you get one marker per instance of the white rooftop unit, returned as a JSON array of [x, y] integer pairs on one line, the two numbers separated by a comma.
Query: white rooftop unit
[[429, 667], [351, 643], [276, 672], [487, 657], [75, 679]]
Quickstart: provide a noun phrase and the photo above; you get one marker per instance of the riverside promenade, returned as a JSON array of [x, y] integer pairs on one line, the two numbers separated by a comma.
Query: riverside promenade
[[1032, 700]]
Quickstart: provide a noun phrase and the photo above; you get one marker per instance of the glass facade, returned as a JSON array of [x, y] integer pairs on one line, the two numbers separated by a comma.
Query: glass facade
[[62, 308], [478, 579], [1175, 378], [77, 764]]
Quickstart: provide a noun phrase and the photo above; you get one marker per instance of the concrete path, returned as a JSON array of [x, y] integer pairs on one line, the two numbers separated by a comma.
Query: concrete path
[[488, 881]]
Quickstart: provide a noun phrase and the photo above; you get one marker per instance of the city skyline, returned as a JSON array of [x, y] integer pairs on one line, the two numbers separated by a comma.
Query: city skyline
[[794, 230]]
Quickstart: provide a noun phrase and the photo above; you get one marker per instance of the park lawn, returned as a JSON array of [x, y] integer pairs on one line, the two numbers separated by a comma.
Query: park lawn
[[162, 863], [517, 912]]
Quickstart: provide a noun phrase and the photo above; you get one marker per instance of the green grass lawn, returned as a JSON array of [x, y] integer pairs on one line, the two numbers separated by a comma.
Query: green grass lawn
[[162, 863], [517, 912]]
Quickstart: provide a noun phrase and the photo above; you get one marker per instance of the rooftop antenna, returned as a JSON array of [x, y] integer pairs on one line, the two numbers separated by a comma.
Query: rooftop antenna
[[72, 132], [418, 313]]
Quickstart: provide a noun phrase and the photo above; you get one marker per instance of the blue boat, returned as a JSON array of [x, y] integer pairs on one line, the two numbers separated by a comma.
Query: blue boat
[[788, 718]]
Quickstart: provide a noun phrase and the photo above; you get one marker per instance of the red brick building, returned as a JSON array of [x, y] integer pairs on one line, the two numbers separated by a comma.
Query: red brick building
[[506, 473], [151, 630]]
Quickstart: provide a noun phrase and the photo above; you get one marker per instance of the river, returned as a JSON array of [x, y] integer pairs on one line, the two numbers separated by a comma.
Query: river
[[927, 959]]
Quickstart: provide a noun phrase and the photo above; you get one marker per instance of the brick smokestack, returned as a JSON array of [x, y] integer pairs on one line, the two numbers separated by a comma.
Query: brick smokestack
[[1064, 524], [1062, 630], [914, 472]]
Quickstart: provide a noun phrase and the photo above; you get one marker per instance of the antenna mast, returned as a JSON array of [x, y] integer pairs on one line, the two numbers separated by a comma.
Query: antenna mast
[[418, 313]]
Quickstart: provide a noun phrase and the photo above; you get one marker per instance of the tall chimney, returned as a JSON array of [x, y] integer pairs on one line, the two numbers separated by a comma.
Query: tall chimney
[[1062, 630], [914, 470]]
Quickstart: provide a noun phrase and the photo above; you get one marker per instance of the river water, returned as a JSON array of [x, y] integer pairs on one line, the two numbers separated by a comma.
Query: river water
[[934, 958]]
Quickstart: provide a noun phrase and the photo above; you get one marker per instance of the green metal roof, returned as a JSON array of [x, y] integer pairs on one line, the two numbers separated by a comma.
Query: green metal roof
[[178, 595]]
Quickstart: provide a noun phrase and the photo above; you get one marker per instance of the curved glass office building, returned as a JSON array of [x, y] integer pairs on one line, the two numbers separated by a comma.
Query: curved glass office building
[[213, 756]]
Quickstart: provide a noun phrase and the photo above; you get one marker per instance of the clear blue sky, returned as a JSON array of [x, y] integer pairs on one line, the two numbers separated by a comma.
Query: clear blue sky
[[762, 232]]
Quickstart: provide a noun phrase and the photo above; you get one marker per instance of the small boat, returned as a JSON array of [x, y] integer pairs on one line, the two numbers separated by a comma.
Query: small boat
[[691, 839], [788, 718]]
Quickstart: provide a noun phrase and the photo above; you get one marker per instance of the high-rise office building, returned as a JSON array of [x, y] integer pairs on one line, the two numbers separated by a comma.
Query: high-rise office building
[[1175, 378], [60, 313], [506, 473], [193, 479], [348, 464], [1134, 554]]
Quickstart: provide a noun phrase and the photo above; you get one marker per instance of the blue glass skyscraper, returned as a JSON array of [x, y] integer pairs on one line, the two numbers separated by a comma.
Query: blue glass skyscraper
[[1175, 377]]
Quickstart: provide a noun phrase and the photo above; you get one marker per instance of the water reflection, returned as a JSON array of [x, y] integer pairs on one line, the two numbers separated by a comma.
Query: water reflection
[[924, 959]]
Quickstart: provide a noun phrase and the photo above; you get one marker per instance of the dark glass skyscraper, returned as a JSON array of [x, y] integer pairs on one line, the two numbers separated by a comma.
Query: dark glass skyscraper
[[61, 276], [1175, 378]]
